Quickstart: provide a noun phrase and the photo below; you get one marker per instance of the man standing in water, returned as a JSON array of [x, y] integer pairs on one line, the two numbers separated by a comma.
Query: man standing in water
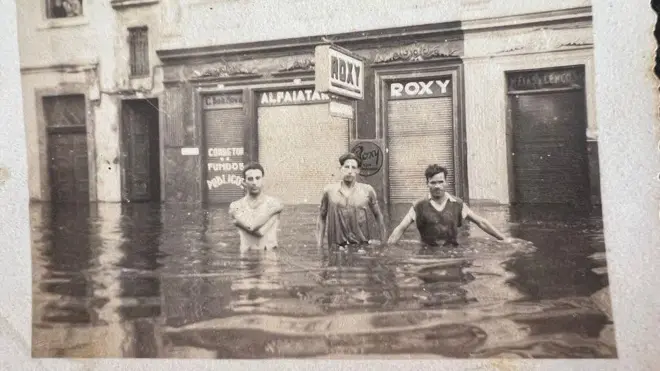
[[439, 215], [343, 210], [256, 215]]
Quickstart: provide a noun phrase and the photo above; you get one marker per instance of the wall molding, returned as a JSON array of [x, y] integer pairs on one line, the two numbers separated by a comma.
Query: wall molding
[[120, 4], [355, 40], [61, 68]]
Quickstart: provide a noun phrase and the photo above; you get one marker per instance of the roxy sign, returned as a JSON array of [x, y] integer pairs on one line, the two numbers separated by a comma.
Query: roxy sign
[[339, 72]]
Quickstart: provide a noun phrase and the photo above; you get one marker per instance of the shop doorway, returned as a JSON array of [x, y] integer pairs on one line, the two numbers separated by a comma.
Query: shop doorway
[[300, 143], [547, 135], [422, 129], [141, 150], [68, 165]]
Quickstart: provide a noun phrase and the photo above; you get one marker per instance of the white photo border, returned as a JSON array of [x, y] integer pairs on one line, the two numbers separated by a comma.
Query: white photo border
[[627, 112]]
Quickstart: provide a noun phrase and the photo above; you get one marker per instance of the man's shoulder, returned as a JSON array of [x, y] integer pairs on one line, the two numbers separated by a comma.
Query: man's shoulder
[[455, 199], [331, 187], [236, 204], [272, 200], [367, 187], [421, 200]]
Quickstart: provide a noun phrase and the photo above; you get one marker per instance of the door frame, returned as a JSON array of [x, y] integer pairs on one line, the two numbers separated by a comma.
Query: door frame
[[123, 147], [510, 126], [63, 89], [382, 76]]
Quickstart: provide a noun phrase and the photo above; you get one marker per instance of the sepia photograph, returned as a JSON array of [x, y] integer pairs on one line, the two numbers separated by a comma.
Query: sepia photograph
[[421, 183]]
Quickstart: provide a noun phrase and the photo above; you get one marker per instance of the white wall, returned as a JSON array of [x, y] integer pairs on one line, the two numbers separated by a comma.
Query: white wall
[[100, 38], [208, 22]]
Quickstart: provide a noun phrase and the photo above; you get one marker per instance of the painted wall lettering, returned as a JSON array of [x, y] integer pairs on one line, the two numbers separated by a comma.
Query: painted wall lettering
[[534, 80], [420, 89], [292, 97], [218, 101], [226, 152], [225, 179], [225, 170], [225, 166]]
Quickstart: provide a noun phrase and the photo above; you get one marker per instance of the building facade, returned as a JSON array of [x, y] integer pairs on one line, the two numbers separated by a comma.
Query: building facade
[[503, 100], [89, 68]]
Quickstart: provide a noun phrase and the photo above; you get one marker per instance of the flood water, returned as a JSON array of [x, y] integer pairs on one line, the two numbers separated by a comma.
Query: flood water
[[157, 281]]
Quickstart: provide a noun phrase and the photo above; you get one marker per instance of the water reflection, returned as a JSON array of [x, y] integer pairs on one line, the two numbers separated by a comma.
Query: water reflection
[[146, 280]]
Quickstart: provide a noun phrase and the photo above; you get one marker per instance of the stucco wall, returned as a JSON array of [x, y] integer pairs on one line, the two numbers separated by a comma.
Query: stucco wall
[[99, 39], [253, 20], [487, 58]]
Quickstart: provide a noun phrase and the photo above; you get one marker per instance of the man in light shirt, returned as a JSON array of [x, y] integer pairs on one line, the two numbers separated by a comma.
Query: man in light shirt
[[439, 215], [256, 215]]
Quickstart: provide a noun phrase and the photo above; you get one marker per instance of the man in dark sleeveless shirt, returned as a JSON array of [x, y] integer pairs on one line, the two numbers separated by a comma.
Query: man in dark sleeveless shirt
[[439, 215]]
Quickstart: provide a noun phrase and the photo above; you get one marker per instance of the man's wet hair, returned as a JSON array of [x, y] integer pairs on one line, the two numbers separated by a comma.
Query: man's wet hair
[[253, 166], [350, 156], [433, 170]]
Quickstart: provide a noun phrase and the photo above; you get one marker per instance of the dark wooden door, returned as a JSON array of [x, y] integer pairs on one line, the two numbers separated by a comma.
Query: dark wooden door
[[549, 148], [69, 173], [141, 150], [67, 148]]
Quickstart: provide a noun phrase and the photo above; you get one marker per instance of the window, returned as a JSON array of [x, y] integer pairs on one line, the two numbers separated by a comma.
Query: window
[[139, 51], [63, 8]]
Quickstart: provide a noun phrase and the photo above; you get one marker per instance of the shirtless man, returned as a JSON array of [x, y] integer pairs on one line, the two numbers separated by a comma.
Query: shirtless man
[[343, 211], [256, 215], [439, 215]]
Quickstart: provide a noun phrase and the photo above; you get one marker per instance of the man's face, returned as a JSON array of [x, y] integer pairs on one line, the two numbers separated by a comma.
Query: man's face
[[349, 170], [253, 181], [437, 185]]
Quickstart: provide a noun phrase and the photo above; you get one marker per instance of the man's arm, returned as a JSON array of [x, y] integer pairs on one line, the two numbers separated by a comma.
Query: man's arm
[[401, 228], [375, 209], [262, 231], [252, 226], [484, 224], [321, 221], [237, 220]]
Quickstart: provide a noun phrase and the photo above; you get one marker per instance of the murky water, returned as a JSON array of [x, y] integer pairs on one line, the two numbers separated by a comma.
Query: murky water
[[146, 280]]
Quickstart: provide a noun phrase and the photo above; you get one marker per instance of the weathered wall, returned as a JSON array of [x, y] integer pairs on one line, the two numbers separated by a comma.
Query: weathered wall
[[487, 57], [57, 57], [253, 21]]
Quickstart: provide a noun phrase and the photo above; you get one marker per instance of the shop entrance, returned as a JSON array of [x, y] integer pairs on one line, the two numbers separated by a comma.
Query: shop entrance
[[141, 150], [548, 121], [421, 130], [68, 165], [224, 121], [299, 144]]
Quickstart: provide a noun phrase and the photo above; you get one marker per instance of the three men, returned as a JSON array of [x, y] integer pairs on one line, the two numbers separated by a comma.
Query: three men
[[256, 215], [439, 215], [343, 212], [343, 217]]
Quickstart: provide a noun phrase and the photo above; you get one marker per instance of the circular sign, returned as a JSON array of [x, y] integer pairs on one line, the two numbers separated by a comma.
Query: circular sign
[[371, 156]]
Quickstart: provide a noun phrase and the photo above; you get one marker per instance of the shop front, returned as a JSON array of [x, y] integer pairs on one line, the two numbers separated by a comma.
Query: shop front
[[402, 113], [431, 94]]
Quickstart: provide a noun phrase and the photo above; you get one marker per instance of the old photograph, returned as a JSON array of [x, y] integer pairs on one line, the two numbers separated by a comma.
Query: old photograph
[[413, 180]]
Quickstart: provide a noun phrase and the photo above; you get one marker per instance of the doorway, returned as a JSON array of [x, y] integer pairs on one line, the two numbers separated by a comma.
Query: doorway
[[547, 111], [141, 150], [68, 165]]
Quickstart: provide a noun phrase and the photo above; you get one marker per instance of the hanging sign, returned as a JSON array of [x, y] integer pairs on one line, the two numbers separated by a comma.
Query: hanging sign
[[371, 155], [341, 109], [338, 71]]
